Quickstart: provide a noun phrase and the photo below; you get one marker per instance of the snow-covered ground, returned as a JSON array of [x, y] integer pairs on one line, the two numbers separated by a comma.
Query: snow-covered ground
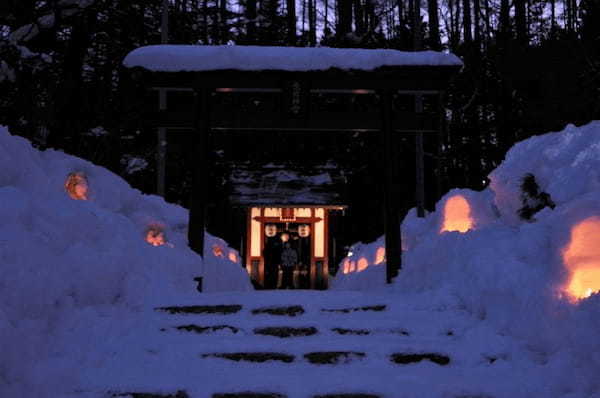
[[80, 285]]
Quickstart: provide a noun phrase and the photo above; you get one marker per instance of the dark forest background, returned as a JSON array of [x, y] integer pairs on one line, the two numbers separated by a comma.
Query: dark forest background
[[531, 66]]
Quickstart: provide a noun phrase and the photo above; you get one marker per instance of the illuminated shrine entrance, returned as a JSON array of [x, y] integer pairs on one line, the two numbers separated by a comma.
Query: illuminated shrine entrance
[[305, 229]]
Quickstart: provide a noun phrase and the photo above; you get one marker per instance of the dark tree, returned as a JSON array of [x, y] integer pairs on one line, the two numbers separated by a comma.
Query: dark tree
[[344, 22], [434, 25], [291, 22]]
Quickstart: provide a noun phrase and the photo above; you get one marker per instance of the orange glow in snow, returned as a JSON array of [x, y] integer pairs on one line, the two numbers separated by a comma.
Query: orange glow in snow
[[217, 251], [155, 236], [346, 266], [77, 186], [582, 258], [232, 256], [352, 266], [380, 255], [457, 215], [362, 264]]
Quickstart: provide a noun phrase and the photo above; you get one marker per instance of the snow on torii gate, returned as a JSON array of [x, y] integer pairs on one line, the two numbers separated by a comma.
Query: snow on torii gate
[[295, 73]]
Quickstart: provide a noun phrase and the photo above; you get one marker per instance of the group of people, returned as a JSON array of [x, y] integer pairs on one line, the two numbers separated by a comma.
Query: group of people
[[280, 255]]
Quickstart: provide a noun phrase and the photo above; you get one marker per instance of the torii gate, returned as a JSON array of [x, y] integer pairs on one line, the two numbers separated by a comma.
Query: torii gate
[[293, 74]]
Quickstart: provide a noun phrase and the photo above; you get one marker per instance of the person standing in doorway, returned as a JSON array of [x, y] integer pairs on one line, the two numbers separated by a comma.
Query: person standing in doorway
[[289, 259]]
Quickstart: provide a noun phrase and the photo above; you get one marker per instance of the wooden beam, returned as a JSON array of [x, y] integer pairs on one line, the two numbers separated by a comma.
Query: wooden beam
[[419, 163], [404, 77], [161, 161], [319, 121], [161, 150], [350, 91], [391, 212], [200, 185], [440, 139]]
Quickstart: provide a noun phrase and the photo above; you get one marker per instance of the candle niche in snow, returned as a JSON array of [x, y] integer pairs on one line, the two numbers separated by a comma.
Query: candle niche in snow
[[155, 235], [581, 256], [77, 186], [457, 215]]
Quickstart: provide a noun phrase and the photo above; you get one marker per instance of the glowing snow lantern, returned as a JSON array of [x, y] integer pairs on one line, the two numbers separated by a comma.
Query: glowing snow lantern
[[217, 250], [233, 257], [285, 237], [352, 266], [77, 186], [346, 266], [362, 264], [582, 258], [380, 255], [155, 236], [270, 230], [304, 230], [457, 215]]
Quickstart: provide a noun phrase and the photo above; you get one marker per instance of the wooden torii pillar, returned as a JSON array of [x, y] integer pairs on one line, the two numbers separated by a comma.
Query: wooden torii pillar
[[200, 185], [391, 191], [391, 210]]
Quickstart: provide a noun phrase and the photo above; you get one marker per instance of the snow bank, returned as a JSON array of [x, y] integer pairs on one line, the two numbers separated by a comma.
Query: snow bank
[[512, 273], [67, 262], [180, 58], [565, 164]]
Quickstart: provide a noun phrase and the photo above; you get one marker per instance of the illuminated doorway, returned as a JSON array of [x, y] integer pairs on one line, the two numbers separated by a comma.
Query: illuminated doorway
[[307, 231]]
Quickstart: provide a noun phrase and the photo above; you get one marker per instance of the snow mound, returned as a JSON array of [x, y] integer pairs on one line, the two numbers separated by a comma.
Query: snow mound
[[61, 257], [565, 164]]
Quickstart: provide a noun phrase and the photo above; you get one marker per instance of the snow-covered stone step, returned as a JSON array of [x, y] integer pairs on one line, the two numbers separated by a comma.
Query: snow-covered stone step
[[355, 332], [178, 394], [328, 357], [286, 331], [283, 337], [248, 394], [347, 310], [401, 322], [405, 359], [256, 357], [301, 329], [293, 310], [333, 357], [205, 329], [276, 395], [289, 310], [315, 358], [202, 309], [350, 395]]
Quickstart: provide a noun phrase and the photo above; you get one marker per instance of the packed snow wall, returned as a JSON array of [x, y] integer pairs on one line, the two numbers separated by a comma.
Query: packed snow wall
[[76, 254], [484, 236], [93, 247]]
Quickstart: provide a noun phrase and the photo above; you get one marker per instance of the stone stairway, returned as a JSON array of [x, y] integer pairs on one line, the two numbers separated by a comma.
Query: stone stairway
[[306, 344], [325, 343]]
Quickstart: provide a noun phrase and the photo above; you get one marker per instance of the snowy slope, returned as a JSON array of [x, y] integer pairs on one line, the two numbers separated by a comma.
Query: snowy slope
[[63, 258]]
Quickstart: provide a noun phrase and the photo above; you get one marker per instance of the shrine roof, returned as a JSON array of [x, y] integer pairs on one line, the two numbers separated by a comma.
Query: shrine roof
[[198, 58], [278, 184]]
